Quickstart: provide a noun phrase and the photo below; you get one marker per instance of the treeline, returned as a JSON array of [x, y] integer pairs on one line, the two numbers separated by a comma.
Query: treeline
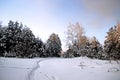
[[17, 40], [80, 45]]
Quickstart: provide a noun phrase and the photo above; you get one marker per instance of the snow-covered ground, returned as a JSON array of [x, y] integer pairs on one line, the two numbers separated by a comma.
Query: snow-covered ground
[[81, 68]]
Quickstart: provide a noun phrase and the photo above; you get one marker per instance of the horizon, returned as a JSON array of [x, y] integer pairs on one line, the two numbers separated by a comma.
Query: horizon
[[45, 17]]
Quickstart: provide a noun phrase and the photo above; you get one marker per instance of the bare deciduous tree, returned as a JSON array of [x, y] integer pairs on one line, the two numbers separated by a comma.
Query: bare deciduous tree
[[75, 34]]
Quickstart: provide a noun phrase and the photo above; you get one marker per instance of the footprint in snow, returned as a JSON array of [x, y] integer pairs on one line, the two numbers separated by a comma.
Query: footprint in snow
[[113, 69]]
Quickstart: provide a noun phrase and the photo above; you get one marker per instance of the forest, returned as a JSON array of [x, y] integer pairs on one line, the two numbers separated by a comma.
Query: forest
[[17, 40]]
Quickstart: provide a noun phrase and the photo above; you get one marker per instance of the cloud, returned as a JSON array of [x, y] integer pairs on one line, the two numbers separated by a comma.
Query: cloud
[[110, 9]]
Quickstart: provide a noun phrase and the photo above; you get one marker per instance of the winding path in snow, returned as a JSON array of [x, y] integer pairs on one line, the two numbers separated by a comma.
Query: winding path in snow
[[32, 72]]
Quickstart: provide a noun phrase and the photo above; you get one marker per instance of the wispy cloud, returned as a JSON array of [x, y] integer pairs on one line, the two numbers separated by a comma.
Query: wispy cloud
[[103, 11], [109, 9]]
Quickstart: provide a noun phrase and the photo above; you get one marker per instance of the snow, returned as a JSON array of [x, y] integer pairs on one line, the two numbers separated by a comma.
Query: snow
[[81, 68]]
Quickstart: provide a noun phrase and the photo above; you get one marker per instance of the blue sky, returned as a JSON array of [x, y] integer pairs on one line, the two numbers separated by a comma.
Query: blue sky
[[47, 16]]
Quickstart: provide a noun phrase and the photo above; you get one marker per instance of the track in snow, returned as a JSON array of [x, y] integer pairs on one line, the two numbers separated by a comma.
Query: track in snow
[[32, 72]]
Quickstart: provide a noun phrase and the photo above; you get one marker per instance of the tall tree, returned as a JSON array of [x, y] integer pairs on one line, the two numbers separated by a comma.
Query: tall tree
[[81, 45], [95, 49], [17, 40], [75, 34], [112, 42], [26, 45], [39, 48], [1, 40], [53, 46], [76, 40], [12, 34]]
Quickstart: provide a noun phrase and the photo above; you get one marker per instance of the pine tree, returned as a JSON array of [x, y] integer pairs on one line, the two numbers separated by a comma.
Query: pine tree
[[25, 46], [38, 48], [112, 43], [17, 40], [95, 49], [12, 34], [53, 46], [1, 40]]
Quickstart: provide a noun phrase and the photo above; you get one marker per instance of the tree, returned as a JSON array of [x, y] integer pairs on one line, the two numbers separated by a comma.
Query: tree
[[53, 46], [1, 40], [17, 40], [39, 48], [95, 49], [9, 36], [25, 46], [112, 43], [75, 34], [12, 38], [0, 24], [81, 45], [77, 41]]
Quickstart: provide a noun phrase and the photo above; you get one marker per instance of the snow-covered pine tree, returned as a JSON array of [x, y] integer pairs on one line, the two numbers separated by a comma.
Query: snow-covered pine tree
[[53, 46], [19, 41], [1, 40], [112, 43], [95, 49]]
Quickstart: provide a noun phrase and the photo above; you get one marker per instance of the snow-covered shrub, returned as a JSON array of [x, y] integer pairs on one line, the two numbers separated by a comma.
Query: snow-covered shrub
[[68, 54]]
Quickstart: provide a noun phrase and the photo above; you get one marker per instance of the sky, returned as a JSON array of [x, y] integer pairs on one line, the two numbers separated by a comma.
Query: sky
[[45, 17]]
